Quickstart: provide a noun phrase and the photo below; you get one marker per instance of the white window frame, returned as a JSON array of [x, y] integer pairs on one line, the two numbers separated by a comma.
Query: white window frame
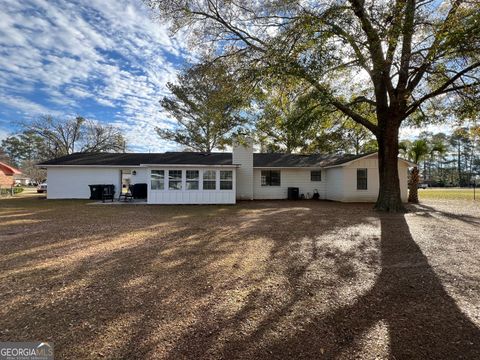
[[270, 171], [366, 179], [177, 181], [162, 183], [230, 180], [315, 171], [209, 180], [192, 180]]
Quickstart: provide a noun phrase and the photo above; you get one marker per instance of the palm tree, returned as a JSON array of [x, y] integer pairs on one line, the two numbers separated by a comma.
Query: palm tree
[[437, 148], [415, 152]]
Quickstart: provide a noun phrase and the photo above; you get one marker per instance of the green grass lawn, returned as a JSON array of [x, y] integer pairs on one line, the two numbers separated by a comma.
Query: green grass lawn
[[448, 193]]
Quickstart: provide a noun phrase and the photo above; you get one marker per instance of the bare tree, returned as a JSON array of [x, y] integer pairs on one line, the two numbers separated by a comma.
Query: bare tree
[[66, 136], [101, 138], [35, 173], [59, 136]]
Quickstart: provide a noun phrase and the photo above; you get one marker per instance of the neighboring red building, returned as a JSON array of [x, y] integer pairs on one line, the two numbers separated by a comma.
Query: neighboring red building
[[6, 175]]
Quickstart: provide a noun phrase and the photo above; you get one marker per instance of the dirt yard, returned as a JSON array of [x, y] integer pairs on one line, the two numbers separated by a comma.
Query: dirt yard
[[259, 280]]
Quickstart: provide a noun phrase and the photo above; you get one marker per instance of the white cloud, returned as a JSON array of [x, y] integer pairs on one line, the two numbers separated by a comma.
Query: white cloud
[[3, 134], [410, 133], [55, 55], [29, 108]]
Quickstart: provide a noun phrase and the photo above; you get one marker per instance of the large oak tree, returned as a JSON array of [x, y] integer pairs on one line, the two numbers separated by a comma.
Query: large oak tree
[[397, 57]]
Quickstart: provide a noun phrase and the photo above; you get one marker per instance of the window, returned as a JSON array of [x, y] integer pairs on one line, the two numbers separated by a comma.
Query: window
[[174, 179], [226, 180], [270, 177], [157, 179], [362, 176], [193, 177], [316, 175], [209, 180]]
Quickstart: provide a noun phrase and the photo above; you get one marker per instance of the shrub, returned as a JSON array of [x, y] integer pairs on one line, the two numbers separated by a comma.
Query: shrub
[[8, 191]]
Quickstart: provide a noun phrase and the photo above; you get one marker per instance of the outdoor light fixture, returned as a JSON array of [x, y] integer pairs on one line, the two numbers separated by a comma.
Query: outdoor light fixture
[[134, 172]]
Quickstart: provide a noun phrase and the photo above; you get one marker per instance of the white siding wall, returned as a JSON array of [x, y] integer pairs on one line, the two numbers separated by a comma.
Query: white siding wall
[[142, 176], [403, 175], [334, 178], [72, 183], [243, 156], [184, 196], [288, 178], [351, 194]]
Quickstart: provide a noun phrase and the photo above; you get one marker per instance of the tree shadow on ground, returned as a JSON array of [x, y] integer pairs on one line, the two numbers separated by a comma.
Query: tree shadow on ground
[[429, 211], [421, 318], [423, 321]]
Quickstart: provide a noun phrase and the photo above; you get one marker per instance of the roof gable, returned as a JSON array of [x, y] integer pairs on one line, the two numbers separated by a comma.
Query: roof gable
[[9, 170]]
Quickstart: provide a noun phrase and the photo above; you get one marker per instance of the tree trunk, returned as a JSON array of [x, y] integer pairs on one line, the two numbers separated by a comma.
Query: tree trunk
[[413, 186], [389, 199], [459, 165]]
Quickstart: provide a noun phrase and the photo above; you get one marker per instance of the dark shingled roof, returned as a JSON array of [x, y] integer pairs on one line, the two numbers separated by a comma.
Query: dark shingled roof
[[134, 159], [196, 158], [296, 160]]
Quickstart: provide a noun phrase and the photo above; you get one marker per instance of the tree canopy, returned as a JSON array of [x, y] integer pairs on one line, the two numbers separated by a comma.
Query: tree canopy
[[207, 105], [288, 117]]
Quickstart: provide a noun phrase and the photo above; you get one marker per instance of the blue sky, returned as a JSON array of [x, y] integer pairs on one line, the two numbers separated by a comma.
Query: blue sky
[[107, 60]]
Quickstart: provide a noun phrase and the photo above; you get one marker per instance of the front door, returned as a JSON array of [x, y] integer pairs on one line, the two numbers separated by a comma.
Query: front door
[[125, 180]]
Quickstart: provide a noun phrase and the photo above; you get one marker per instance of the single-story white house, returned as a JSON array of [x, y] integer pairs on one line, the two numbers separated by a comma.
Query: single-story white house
[[221, 178], [22, 180]]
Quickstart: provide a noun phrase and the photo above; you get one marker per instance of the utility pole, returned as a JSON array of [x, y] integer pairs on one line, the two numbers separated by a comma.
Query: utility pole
[[475, 179]]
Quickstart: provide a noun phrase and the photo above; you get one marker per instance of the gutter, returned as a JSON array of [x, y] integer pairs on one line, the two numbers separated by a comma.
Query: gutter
[[136, 166]]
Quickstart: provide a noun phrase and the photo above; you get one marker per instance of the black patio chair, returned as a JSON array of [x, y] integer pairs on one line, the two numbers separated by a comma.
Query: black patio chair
[[108, 192], [126, 196]]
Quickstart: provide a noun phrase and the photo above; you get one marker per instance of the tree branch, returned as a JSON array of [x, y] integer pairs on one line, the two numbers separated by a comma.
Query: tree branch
[[445, 87], [355, 116], [407, 33], [381, 78], [336, 102], [415, 78]]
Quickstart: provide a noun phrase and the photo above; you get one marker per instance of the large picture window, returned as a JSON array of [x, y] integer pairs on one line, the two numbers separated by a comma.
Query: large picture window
[[226, 180], [270, 177], [209, 180], [316, 175], [362, 182], [157, 180], [174, 179], [193, 177]]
